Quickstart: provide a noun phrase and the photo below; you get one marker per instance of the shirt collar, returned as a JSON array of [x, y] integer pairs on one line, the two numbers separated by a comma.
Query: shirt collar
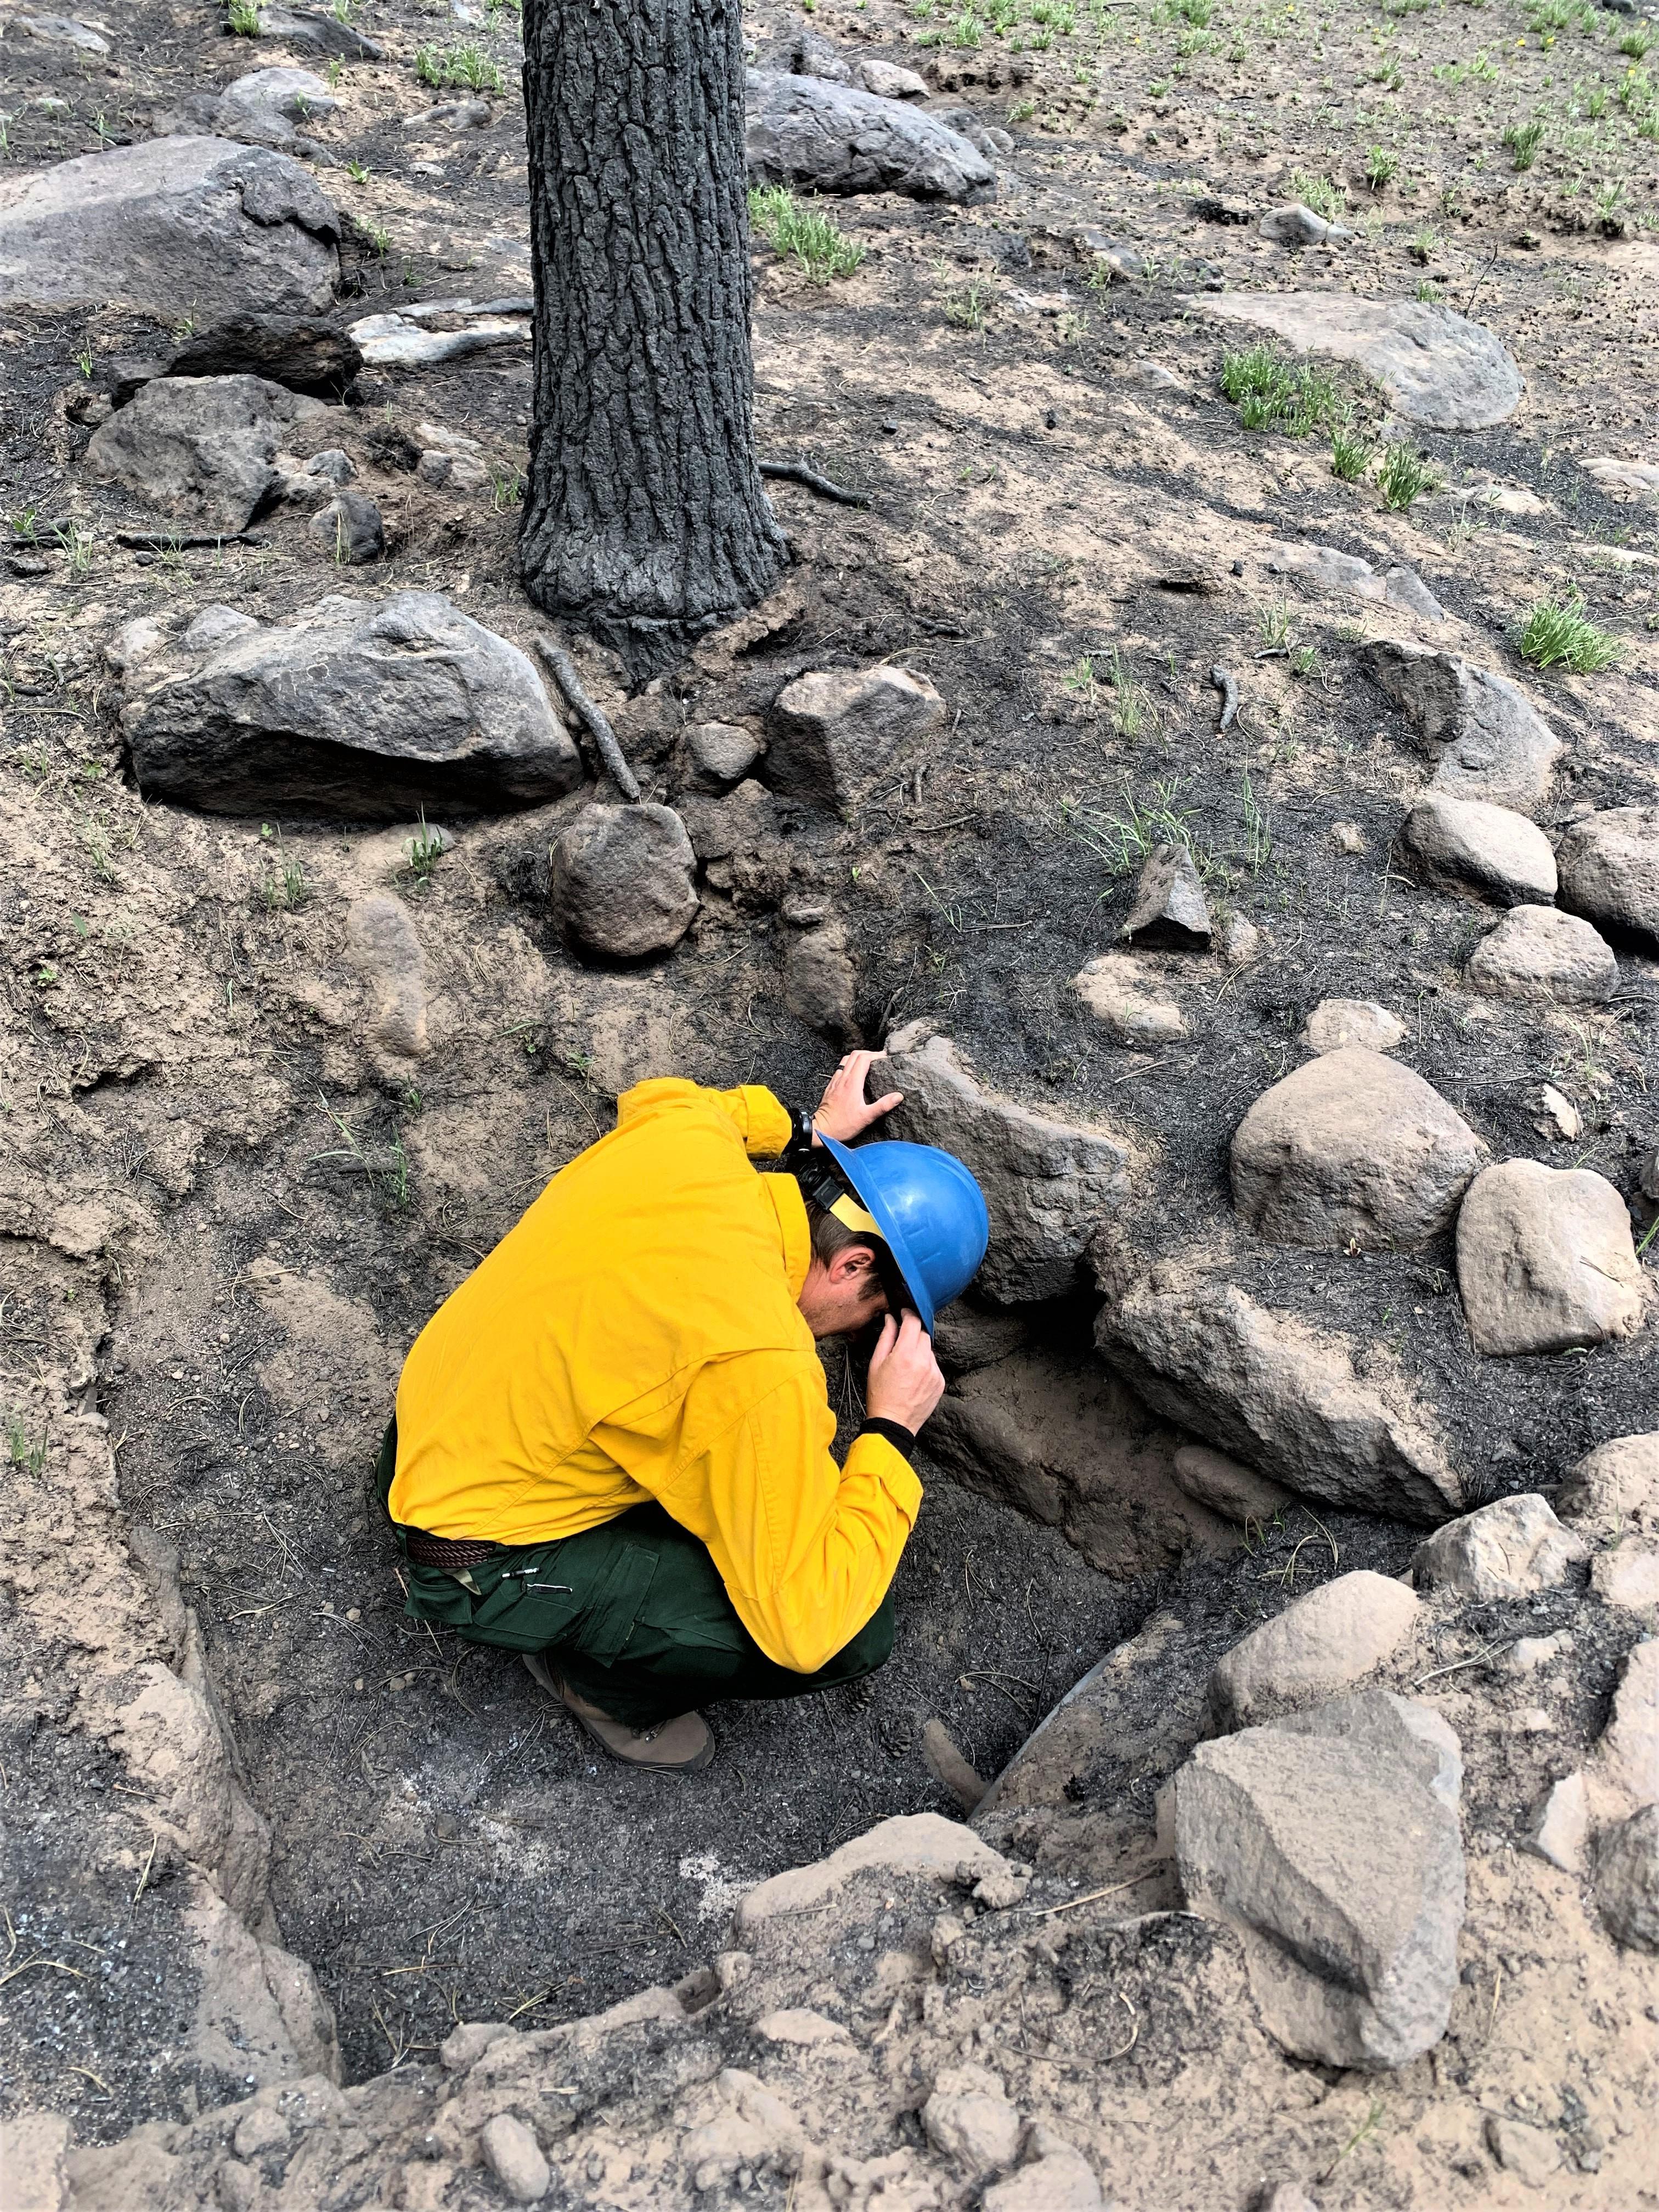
[[793, 1235]]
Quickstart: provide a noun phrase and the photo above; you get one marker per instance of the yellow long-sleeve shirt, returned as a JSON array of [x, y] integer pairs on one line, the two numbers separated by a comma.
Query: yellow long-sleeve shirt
[[636, 1336]]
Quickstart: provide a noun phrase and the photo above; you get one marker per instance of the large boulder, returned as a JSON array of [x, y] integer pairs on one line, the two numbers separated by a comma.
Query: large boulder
[[360, 710], [1271, 1391], [1486, 737], [1489, 852], [1437, 369], [1046, 1183], [623, 880], [833, 138], [202, 448], [834, 730], [1329, 1842], [1609, 865], [1545, 1261], [185, 226], [1323, 1643], [1351, 1149], [1539, 952], [299, 351], [1513, 1547]]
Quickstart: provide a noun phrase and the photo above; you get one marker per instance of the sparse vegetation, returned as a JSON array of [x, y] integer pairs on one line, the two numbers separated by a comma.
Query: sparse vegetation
[[1404, 475], [1351, 457], [1381, 167], [970, 307], [242, 19], [1318, 193], [465, 65], [1523, 140], [1556, 633], [1272, 394], [803, 233]]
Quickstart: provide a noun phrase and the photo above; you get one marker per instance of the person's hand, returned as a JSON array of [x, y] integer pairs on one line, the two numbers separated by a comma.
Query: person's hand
[[905, 1384], [843, 1111]]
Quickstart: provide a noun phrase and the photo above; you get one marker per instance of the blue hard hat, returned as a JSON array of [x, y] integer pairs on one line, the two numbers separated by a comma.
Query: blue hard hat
[[930, 1211]]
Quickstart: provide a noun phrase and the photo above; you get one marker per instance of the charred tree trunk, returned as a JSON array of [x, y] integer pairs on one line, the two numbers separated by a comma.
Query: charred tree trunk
[[645, 521]]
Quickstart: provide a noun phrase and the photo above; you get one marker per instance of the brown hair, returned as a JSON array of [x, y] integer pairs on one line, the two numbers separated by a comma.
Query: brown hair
[[830, 1237]]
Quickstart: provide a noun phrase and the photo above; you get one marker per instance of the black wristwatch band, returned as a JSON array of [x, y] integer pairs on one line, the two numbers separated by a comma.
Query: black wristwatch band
[[800, 1134], [901, 1438]]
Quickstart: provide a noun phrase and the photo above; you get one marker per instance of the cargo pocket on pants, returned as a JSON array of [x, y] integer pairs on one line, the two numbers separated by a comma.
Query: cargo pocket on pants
[[606, 1621]]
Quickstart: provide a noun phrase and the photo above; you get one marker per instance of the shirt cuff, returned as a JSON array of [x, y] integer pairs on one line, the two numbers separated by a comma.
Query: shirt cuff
[[769, 1126], [901, 1439]]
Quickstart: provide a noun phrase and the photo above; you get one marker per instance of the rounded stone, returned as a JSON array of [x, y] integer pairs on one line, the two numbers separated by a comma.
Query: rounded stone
[[622, 880], [1539, 952], [1627, 1881], [1468, 845], [1545, 1261], [1609, 865], [1334, 1022]]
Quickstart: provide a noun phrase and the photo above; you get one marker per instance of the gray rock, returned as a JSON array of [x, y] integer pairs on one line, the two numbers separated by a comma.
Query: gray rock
[[1624, 479], [1627, 1579], [1437, 369], [307, 356], [1351, 1149], [1335, 1022], [1531, 2154], [331, 467], [1467, 845], [1609, 865], [1046, 1183], [1615, 1488], [1539, 952], [1486, 737], [722, 753], [381, 941], [324, 33], [390, 341], [812, 56], [350, 530], [833, 139], [1404, 588], [1060, 2181], [1328, 570], [835, 731], [1267, 1390], [1545, 1261], [452, 115], [1512, 1548], [1561, 1834], [213, 626], [968, 2119], [1126, 998], [452, 472], [890, 80], [463, 2047], [1627, 1881], [514, 2157], [820, 982], [353, 710], [1241, 940], [622, 880], [1299, 225], [1322, 1642], [197, 227], [1329, 1842], [202, 448], [1228, 1487], [744, 819], [1170, 911], [61, 31], [266, 107]]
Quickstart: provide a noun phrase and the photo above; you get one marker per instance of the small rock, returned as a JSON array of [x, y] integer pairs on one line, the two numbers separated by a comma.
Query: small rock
[[258, 2131], [1512, 1548], [820, 982], [1241, 940], [1562, 1833], [1546, 1260], [1236, 1492], [810, 2030], [1468, 845], [1329, 1842], [1609, 865], [1061, 2181], [1487, 740], [1627, 1881], [450, 471], [327, 33], [1528, 2153], [463, 2047], [1123, 997], [834, 732], [1334, 1022], [350, 530], [133, 644], [1299, 225], [1624, 1773], [202, 448], [924, 1844], [722, 753], [740, 823], [1437, 367], [1615, 1488], [1627, 1578], [61, 31], [1626, 479], [1529, 1652], [1169, 911], [215, 626], [1562, 1118], [1539, 952], [1351, 1151], [1347, 837], [1320, 1644], [999, 1891], [239, 2187], [623, 880], [264, 108], [331, 467], [968, 2119], [1328, 570], [381, 940], [514, 2157], [950, 1768]]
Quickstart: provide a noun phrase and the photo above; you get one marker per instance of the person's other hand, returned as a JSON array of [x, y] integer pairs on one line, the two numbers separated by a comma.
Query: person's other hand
[[905, 1384], [844, 1112]]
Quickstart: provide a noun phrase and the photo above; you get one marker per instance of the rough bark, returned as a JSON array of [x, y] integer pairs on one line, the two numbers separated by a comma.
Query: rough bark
[[645, 519]]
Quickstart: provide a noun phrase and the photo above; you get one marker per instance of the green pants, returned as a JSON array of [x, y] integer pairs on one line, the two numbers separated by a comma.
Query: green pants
[[634, 1614]]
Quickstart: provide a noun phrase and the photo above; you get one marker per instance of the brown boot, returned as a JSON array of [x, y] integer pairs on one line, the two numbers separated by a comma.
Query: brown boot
[[682, 1745]]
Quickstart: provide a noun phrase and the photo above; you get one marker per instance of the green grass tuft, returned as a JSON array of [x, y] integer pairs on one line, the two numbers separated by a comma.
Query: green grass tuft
[[1403, 476], [1558, 633], [1272, 394], [821, 249]]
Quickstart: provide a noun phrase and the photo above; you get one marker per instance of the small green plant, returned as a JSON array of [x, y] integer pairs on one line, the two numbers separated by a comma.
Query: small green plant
[[429, 67], [970, 307], [1609, 209], [1636, 41], [1123, 841], [1558, 633], [1350, 455], [379, 238], [967, 33], [23, 525], [21, 1450], [242, 19], [1523, 140], [472, 68], [1320, 194], [1021, 111], [1273, 626], [335, 71], [1403, 476], [816, 244], [1304, 660], [1427, 291], [1273, 394], [1595, 105], [76, 546], [1423, 246], [1381, 167], [86, 360], [426, 848], [1258, 830], [1635, 90], [507, 487], [359, 172]]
